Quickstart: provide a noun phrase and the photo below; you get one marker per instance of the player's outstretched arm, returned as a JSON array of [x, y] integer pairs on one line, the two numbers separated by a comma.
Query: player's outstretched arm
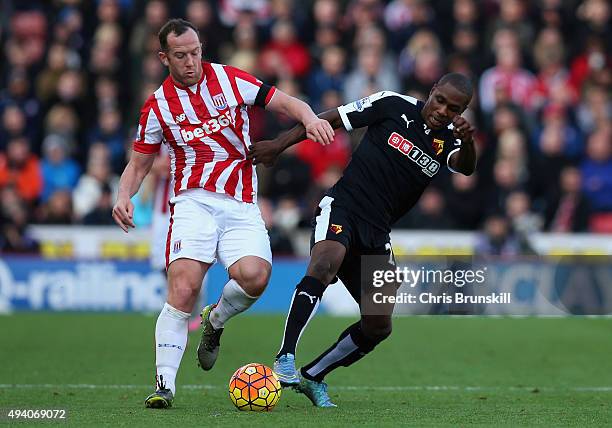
[[137, 168], [464, 161], [265, 152], [316, 128]]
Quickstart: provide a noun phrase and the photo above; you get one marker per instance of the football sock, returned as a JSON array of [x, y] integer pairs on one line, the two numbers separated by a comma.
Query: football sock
[[170, 343], [233, 300], [352, 345], [304, 303]]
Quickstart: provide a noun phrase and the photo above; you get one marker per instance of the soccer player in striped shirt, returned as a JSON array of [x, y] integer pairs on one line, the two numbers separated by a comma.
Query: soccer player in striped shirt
[[201, 112]]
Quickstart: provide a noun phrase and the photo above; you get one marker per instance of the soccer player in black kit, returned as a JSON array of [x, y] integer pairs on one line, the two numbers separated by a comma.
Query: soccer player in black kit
[[406, 144]]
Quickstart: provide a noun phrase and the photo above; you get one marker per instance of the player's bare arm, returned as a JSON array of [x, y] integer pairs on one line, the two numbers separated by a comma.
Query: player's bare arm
[[464, 161], [136, 170], [317, 129], [266, 151]]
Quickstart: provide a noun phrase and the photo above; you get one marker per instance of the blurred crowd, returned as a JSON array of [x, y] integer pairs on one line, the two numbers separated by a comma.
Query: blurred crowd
[[74, 74]]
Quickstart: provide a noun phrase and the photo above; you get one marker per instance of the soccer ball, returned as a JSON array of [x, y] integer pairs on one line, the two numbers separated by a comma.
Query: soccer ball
[[254, 387]]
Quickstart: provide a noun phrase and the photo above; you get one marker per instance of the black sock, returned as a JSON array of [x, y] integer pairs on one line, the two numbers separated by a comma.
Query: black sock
[[352, 345], [305, 300]]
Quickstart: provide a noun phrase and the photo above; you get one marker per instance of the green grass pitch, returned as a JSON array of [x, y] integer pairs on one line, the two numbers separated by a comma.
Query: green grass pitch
[[433, 371]]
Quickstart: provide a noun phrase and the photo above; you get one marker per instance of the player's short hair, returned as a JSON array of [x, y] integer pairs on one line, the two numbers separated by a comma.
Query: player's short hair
[[177, 26], [458, 81]]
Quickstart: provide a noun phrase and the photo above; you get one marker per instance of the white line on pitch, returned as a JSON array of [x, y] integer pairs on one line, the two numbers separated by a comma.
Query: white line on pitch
[[339, 387]]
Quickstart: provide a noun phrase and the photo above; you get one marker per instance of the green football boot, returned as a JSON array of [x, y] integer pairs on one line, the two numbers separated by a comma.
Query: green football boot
[[208, 349], [162, 398]]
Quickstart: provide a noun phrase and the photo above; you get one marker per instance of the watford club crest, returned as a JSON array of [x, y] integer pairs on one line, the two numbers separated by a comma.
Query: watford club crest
[[336, 228], [438, 145]]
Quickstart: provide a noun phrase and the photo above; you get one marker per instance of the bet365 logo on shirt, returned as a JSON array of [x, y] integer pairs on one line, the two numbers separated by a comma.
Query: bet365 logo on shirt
[[211, 126], [429, 166]]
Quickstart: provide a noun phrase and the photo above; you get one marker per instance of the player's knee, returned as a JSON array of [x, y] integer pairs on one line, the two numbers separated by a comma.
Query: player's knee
[[254, 279], [322, 269], [182, 293], [377, 332], [183, 288]]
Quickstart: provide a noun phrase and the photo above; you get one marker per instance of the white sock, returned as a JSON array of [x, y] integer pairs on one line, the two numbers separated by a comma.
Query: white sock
[[233, 301], [170, 343]]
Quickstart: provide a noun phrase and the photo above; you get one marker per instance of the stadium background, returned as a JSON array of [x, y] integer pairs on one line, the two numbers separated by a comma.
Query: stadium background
[[74, 74]]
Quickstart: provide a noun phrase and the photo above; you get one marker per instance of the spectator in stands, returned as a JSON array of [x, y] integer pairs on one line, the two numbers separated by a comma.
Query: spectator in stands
[[242, 53], [57, 63], [556, 118], [329, 76], [13, 124], [506, 179], [597, 170], [104, 56], [507, 80], [465, 202], [325, 36], [58, 209], [512, 147], [19, 93], [402, 18], [497, 238], [201, 14], [98, 174], [280, 241], [467, 45], [420, 61], [594, 17], [369, 77], [284, 55], [106, 93], [512, 16], [595, 109], [68, 30], [364, 13], [592, 65], [430, 212], [523, 220], [101, 214], [290, 177], [109, 132], [13, 224], [567, 210], [553, 77], [59, 171], [233, 12], [287, 215], [20, 168]]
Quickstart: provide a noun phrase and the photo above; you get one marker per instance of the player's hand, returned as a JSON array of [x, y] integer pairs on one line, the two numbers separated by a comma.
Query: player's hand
[[462, 129], [123, 213], [264, 152], [320, 130]]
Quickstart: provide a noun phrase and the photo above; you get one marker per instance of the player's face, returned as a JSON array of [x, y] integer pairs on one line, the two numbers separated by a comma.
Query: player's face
[[184, 57], [444, 103]]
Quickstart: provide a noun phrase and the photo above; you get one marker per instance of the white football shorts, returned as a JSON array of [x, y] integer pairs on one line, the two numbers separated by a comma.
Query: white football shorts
[[207, 226], [159, 229]]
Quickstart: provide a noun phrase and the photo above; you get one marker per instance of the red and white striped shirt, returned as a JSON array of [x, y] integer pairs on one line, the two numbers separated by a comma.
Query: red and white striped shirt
[[206, 127]]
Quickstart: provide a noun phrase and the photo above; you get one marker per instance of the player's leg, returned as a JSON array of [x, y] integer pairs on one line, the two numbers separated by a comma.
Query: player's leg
[[357, 340], [330, 240], [184, 280], [325, 260], [244, 248], [189, 252], [248, 279]]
